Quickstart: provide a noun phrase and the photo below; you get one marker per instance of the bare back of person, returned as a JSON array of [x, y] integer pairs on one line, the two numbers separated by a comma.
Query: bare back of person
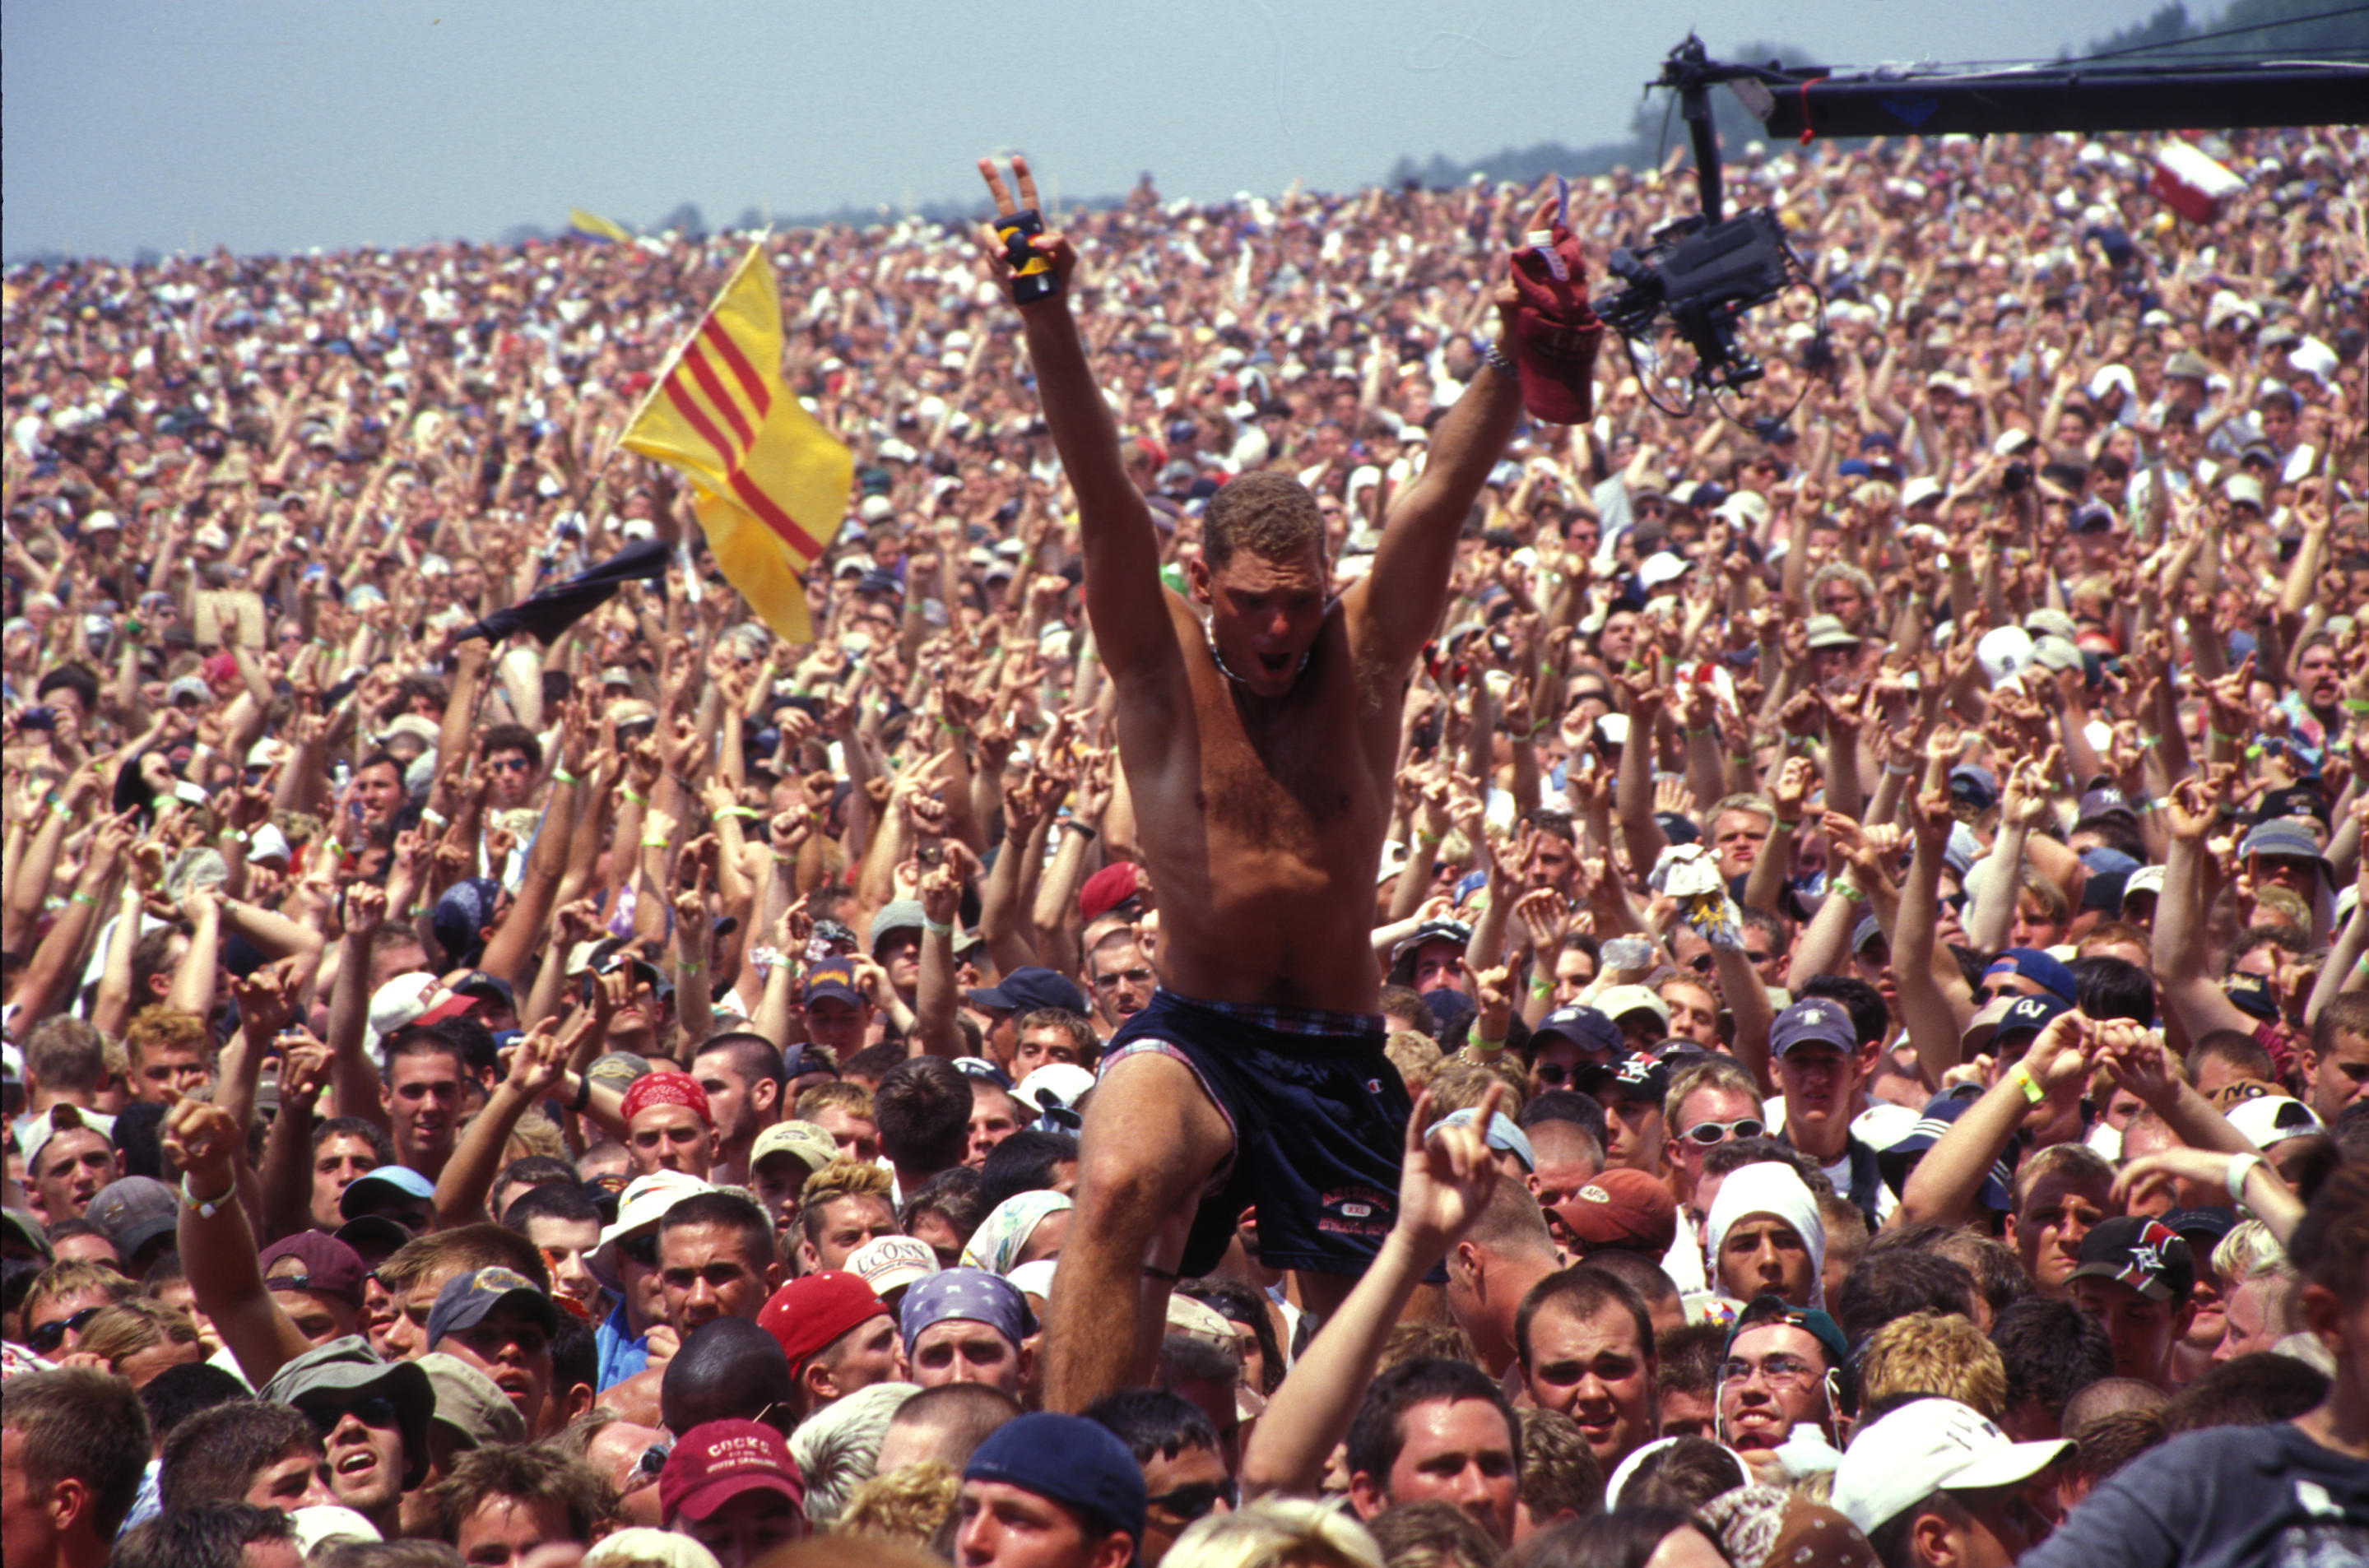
[[1258, 745]]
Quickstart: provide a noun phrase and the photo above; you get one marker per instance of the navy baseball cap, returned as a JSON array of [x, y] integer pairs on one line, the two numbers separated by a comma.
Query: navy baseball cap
[[1069, 1460], [1583, 1027], [467, 1299], [1812, 1020], [1639, 1076], [2041, 969], [2028, 1016], [1894, 1162], [1029, 988]]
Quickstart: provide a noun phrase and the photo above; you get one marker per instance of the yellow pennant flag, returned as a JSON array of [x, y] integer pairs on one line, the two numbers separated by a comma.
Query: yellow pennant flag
[[769, 484]]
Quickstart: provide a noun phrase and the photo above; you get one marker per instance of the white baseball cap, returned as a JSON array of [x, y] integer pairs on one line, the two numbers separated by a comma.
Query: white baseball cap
[[891, 1263], [2273, 1118], [1932, 1445], [644, 1202]]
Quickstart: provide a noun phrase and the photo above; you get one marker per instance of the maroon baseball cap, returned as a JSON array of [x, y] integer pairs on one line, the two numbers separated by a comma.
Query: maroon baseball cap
[[718, 1460], [812, 1310], [329, 1266], [1624, 1208]]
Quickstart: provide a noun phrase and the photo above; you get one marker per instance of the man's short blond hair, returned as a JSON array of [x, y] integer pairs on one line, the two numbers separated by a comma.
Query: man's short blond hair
[[1719, 1072], [853, 1098], [1934, 1353]]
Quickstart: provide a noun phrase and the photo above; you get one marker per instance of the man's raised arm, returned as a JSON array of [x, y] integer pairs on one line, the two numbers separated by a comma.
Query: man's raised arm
[[1124, 596], [1394, 608]]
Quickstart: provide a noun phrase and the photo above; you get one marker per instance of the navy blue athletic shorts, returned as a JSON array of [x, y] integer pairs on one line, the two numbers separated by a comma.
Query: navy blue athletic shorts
[[1318, 1116]]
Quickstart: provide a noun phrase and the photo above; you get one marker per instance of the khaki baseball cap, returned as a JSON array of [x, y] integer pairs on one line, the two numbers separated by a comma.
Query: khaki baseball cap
[[810, 1143], [470, 1403]]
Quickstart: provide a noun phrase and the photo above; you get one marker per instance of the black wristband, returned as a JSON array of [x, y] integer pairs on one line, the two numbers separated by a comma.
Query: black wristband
[[583, 1094]]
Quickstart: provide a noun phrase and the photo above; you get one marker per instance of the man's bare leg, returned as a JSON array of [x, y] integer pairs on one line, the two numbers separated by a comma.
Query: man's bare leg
[[1151, 1141]]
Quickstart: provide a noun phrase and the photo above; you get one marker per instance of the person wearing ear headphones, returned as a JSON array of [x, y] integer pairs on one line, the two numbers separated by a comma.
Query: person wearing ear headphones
[[1783, 1366]]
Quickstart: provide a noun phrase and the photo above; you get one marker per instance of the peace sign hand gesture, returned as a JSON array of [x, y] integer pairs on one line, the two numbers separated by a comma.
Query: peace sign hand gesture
[[1053, 245]]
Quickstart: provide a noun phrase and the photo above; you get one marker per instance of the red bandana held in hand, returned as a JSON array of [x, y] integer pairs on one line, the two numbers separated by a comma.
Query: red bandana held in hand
[[666, 1089], [1555, 331]]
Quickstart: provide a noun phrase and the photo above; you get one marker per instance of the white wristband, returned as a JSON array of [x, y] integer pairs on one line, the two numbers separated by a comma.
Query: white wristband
[[205, 1207], [2241, 1169]]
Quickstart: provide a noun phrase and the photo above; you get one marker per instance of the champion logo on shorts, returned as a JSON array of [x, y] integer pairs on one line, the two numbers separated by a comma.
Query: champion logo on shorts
[[1356, 1211]]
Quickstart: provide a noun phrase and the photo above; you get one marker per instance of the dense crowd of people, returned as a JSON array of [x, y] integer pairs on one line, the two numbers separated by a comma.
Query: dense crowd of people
[[1866, 936]]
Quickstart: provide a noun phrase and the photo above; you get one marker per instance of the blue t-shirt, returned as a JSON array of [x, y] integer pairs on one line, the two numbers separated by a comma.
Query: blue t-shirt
[[2226, 1497], [619, 1356]]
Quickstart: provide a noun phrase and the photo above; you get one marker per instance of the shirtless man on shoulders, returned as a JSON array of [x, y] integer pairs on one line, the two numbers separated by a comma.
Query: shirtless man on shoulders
[[1259, 748]]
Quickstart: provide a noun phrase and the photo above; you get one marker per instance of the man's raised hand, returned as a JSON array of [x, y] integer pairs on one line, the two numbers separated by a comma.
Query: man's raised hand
[[1445, 1179], [1053, 245]]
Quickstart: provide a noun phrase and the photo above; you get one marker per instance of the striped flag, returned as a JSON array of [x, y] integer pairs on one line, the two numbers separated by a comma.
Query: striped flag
[[767, 483], [592, 226]]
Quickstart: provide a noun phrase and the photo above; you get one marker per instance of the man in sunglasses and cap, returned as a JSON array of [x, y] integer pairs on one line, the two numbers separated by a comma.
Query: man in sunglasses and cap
[[373, 1417]]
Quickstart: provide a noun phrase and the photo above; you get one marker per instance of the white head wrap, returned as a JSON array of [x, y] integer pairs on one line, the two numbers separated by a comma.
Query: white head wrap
[[1768, 1188]]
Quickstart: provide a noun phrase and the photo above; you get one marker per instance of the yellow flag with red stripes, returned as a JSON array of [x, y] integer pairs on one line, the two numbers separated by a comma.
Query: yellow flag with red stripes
[[769, 484]]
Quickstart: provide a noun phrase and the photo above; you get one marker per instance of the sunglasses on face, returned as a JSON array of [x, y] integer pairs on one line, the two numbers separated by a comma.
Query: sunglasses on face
[[376, 1411], [511, 765], [1553, 1076], [1710, 1133], [45, 1340], [1192, 1502], [642, 1250]]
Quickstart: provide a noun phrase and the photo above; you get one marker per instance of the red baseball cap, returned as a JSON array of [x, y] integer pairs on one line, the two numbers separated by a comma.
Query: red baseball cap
[[718, 1460], [1622, 1208], [812, 1310], [1107, 889]]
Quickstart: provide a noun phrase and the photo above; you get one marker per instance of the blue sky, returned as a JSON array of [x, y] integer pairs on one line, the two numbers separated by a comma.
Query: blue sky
[[283, 124]]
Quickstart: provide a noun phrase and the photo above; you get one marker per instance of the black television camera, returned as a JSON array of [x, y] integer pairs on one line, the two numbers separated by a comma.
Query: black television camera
[[1704, 278]]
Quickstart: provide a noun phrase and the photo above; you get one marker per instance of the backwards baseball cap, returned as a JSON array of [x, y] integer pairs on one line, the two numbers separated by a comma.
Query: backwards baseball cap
[[1621, 1208], [1929, 1446], [807, 1315], [1503, 1134], [2265, 1119], [2145, 1255], [1030, 989], [718, 1460], [1069, 1460], [1812, 1020], [59, 1117], [467, 1299], [2041, 969], [324, 1263]]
